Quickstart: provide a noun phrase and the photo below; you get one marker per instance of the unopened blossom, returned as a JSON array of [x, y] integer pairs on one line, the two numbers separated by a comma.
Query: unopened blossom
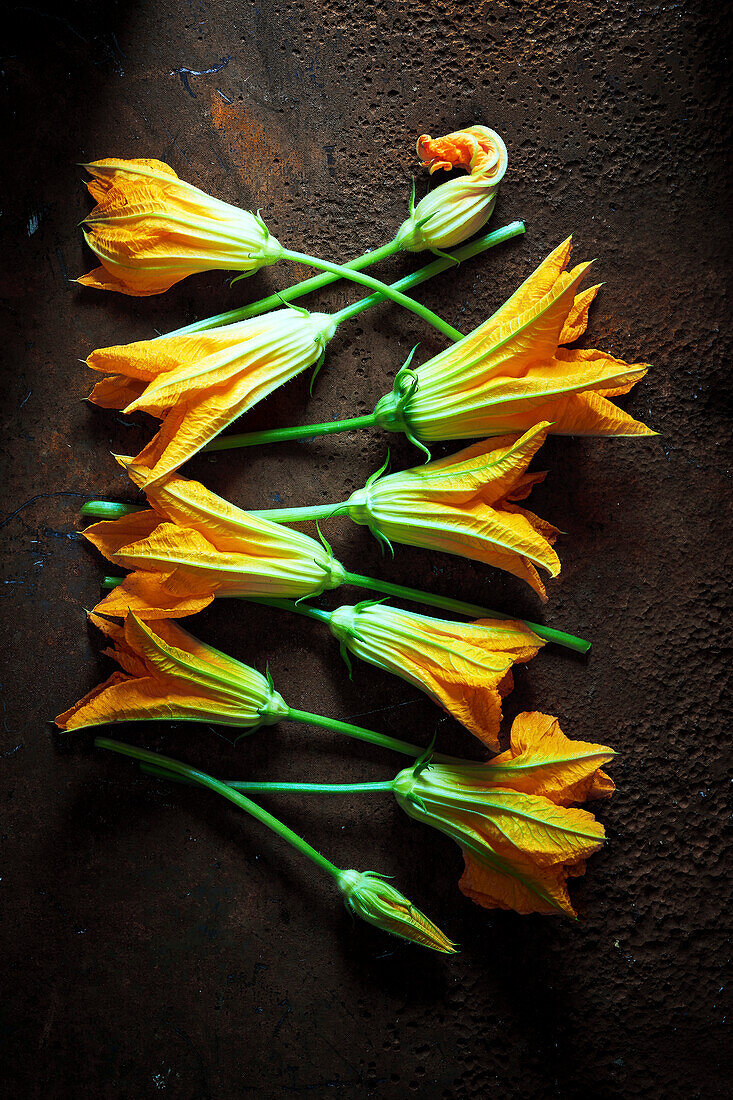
[[370, 897], [464, 667], [455, 210], [192, 545], [169, 674]]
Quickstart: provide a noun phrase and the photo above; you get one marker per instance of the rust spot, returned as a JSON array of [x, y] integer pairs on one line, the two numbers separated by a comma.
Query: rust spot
[[257, 154]]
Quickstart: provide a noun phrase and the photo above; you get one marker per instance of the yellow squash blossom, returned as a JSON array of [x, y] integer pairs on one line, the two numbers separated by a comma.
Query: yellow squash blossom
[[150, 229], [192, 545], [513, 371], [168, 674], [464, 667], [457, 209], [520, 839], [198, 383], [466, 504], [369, 896]]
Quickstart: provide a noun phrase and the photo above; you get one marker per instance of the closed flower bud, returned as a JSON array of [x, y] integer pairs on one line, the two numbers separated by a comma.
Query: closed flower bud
[[150, 229], [367, 895], [168, 674], [199, 383], [455, 210]]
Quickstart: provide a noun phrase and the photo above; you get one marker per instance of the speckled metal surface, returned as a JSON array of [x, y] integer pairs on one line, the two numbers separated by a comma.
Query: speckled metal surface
[[154, 942]]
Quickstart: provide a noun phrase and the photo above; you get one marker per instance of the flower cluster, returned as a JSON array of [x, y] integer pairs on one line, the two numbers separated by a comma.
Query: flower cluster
[[506, 386]]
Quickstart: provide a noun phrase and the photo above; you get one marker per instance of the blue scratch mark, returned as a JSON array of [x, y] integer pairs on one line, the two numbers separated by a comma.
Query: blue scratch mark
[[224, 97], [20, 406], [63, 265], [184, 73]]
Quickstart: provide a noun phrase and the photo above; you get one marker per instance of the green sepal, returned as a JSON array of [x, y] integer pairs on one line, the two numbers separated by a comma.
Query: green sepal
[[316, 368], [411, 205], [377, 473], [347, 660], [445, 256], [260, 221], [381, 539]]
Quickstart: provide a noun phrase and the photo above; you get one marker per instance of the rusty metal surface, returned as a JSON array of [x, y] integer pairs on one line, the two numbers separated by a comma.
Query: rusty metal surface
[[155, 942]]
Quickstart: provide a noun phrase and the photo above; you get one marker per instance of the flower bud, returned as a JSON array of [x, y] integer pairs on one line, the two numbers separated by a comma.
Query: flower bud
[[374, 900], [455, 210]]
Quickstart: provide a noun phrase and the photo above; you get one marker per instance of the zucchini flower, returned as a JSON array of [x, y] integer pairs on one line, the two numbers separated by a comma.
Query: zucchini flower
[[168, 674], [464, 667], [520, 838], [370, 897], [198, 383], [192, 545], [513, 371], [457, 209], [150, 229], [465, 505]]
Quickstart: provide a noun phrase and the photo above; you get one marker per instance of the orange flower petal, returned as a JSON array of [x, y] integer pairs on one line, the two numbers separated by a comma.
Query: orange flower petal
[[519, 886], [543, 761], [149, 596], [576, 321], [115, 392]]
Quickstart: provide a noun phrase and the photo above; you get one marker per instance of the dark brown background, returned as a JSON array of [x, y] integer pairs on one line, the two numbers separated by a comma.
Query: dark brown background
[[155, 941]]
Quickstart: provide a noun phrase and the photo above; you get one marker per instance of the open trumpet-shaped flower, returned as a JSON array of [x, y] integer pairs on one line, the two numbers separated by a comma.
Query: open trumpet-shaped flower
[[466, 504], [198, 383], [169, 674], [150, 229], [464, 667], [513, 372], [519, 838], [455, 210], [192, 545]]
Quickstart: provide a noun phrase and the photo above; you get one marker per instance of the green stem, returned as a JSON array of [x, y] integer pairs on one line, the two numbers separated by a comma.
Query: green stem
[[301, 515], [362, 734], [282, 435], [415, 595], [466, 252], [291, 605], [293, 788], [109, 509], [375, 284], [240, 800], [274, 301]]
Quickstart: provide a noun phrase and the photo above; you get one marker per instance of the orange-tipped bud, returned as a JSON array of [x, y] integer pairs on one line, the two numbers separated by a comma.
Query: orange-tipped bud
[[455, 210]]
